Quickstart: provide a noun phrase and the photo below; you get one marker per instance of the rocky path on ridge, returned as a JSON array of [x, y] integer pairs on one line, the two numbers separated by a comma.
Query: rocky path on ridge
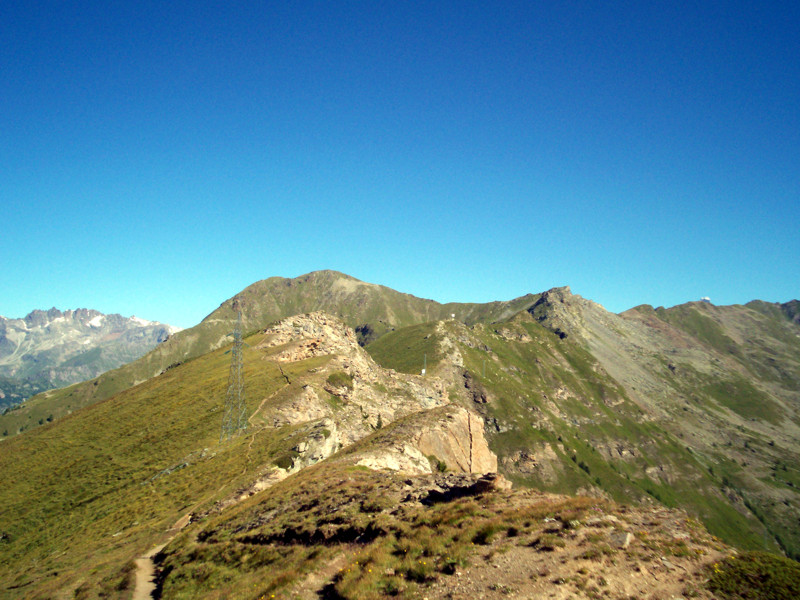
[[643, 554], [146, 569], [655, 554], [145, 574]]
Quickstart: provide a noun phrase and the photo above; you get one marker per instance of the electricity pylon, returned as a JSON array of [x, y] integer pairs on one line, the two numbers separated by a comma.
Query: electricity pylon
[[234, 418]]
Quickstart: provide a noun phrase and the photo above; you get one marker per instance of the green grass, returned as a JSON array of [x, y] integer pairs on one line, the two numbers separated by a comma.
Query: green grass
[[755, 576], [407, 350], [84, 359], [743, 398], [81, 497], [692, 320], [536, 368], [340, 379]]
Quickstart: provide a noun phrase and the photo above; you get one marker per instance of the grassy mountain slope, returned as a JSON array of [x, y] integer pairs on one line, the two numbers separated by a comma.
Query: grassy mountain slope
[[695, 406], [354, 302], [131, 468], [372, 309], [341, 532], [85, 495]]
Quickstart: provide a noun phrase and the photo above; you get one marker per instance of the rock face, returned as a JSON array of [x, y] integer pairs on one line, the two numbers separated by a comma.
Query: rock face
[[458, 441], [359, 398], [551, 312], [792, 311], [358, 394], [314, 334], [449, 438], [475, 389], [48, 349], [403, 458]]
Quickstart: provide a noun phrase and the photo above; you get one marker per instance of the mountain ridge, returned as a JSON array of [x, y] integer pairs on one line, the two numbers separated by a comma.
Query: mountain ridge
[[694, 407], [346, 454], [371, 309]]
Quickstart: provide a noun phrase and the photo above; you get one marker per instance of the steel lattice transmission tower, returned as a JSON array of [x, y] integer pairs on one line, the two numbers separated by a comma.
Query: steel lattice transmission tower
[[234, 418]]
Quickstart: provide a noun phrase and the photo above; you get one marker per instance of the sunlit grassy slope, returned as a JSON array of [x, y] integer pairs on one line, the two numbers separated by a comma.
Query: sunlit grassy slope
[[408, 349], [82, 496], [706, 420], [354, 519]]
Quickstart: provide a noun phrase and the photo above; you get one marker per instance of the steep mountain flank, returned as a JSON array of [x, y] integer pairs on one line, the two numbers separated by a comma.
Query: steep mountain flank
[[695, 406], [370, 309]]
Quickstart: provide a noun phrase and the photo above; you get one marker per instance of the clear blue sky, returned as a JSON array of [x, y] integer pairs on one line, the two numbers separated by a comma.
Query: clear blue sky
[[156, 158]]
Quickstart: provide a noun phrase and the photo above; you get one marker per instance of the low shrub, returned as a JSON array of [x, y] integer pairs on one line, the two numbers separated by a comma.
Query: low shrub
[[755, 576], [340, 379], [484, 535]]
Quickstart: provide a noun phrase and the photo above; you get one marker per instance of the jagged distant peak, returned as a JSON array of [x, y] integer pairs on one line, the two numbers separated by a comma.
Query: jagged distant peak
[[83, 316], [52, 348]]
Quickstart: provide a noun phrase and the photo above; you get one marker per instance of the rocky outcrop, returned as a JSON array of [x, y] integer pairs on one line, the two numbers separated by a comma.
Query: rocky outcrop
[[401, 457], [316, 334], [458, 441], [552, 312], [450, 438], [302, 408], [474, 389], [448, 346], [792, 311], [355, 392], [317, 444], [521, 461], [432, 435]]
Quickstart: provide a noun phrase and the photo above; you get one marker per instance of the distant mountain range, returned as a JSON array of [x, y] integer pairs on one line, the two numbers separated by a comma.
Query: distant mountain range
[[52, 349]]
